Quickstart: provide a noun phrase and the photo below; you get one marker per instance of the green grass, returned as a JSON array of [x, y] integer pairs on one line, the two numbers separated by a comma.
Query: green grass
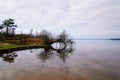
[[9, 47], [6, 47]]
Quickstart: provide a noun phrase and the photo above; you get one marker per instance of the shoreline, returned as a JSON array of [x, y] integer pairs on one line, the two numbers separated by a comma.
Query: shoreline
[[18, 48]]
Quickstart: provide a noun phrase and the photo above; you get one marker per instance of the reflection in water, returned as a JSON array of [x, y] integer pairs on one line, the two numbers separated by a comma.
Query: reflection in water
[[49, 52], [8, 57], [61, 52]]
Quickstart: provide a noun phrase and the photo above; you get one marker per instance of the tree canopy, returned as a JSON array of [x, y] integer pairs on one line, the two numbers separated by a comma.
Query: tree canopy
[[10, 26]]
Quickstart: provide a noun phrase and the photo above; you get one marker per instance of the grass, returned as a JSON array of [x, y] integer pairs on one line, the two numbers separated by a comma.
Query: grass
[[7, 47], [26, 41]]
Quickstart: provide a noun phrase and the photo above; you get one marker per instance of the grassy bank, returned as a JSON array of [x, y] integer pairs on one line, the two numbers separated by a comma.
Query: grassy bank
[[7, 47]]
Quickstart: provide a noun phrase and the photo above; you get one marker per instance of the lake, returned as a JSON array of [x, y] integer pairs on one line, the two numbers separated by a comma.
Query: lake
[[87, 60]]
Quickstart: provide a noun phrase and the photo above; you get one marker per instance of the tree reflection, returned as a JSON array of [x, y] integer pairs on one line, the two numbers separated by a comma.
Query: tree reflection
[[62, 52], [45, 53], [8, 57]]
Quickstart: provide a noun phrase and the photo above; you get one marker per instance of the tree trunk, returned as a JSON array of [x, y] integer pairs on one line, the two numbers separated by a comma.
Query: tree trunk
[[7, 36]]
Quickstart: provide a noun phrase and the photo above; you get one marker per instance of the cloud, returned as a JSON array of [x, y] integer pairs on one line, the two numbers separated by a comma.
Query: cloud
[[80, 18]]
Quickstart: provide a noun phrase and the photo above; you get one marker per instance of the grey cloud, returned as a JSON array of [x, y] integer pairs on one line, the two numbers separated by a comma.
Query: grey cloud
[[80, 18]]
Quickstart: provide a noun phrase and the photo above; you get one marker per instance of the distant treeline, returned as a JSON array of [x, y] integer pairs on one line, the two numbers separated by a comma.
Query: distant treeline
[[115, 39]]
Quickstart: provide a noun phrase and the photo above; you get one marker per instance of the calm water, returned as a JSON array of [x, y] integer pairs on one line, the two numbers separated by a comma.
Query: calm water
[[90, 60]]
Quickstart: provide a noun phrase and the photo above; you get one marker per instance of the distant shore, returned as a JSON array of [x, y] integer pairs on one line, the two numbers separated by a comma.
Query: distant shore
[[115, 39], [99, 39]]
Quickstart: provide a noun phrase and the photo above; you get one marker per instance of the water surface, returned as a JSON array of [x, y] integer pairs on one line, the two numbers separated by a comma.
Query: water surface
[[90, 60]]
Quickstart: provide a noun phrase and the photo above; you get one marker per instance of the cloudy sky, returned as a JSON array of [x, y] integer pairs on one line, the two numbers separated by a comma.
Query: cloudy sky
[[80, 18]]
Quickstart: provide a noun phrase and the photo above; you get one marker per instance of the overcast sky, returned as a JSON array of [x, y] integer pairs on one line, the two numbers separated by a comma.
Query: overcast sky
[[80, 18]]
